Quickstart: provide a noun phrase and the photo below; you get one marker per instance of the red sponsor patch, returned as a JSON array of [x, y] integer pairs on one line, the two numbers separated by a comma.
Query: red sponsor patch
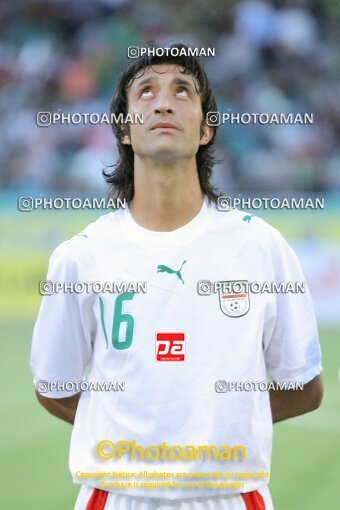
[[170, 347]]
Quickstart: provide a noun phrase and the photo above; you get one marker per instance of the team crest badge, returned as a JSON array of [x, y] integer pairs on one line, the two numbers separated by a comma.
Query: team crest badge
[[234, 298]]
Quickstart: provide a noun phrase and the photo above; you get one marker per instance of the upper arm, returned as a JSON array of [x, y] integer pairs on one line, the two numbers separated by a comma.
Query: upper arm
[[313, 392], [61, 348], [63, 408], [291, 343]]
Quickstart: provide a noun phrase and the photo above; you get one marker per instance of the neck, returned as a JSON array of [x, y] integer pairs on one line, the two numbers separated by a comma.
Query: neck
[[166, 196]]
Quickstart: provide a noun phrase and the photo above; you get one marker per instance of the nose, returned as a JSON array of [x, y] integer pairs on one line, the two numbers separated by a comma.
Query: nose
[[163, 103]]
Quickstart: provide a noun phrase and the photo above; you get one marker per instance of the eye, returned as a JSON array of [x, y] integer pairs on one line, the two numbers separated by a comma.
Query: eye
[[182, 91], [146, 92]]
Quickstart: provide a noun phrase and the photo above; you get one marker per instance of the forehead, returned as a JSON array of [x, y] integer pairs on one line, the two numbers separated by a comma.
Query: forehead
[[163, 73]]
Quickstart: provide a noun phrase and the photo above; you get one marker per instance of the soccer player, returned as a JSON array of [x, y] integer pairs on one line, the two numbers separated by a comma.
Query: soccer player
[[175, 345]]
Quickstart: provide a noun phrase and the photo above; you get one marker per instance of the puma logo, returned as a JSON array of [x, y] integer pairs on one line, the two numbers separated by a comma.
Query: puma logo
[[247, 217], [165, 269]]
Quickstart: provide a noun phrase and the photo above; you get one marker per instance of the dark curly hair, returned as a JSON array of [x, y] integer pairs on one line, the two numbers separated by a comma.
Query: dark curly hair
[[122, 177]]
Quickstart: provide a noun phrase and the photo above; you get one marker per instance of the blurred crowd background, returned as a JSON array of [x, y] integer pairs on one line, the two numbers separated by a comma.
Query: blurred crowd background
[[271, 56]]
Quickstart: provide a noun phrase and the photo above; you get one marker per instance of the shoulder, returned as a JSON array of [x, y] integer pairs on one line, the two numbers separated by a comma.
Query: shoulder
[[249, 227], [88, 241], [255, 237]]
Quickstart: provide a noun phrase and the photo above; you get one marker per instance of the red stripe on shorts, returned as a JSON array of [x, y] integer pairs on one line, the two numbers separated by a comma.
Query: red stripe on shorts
[[97, 500], [253, 501]]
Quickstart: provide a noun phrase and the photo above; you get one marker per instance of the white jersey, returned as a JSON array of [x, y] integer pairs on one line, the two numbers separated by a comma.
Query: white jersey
[[172, 351]]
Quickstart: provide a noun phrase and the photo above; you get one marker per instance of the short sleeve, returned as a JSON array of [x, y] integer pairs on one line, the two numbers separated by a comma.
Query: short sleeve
[[60, 348], [291, 343]]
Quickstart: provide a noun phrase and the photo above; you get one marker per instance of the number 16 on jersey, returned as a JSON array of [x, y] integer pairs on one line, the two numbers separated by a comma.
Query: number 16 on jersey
[[121, 336]]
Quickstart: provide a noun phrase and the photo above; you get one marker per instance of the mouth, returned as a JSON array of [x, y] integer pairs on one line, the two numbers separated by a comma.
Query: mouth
[[164, 125]]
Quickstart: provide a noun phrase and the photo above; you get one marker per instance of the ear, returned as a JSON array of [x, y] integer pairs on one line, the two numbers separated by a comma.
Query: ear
[[125, 134], [206, 134], [126, 140]]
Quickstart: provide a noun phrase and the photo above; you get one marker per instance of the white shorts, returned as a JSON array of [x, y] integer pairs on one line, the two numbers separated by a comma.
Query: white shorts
[[95, 499]]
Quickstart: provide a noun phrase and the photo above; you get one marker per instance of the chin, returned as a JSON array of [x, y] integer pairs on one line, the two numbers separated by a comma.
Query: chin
[[166, 154], [166, 159]]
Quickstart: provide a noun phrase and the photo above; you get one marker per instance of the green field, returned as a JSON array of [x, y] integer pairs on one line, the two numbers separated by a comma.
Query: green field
[[34, 447]]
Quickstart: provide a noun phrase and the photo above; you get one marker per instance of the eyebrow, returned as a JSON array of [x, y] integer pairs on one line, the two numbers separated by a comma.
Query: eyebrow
[[175, 81], [180, 81]]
